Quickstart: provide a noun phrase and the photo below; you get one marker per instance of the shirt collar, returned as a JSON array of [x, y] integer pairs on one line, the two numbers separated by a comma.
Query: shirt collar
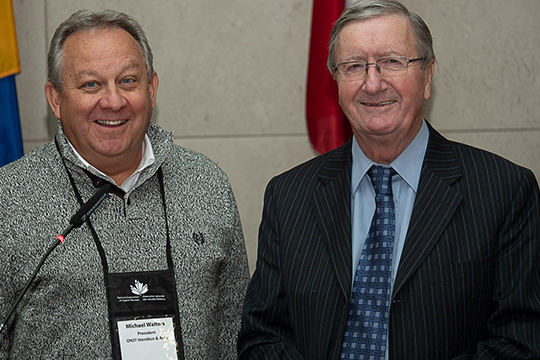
[[147, 159], [408, 164]]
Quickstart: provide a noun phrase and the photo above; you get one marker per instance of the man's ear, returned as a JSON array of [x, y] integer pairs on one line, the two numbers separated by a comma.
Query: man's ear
[[53, 97], [429, 71], [153, 88]]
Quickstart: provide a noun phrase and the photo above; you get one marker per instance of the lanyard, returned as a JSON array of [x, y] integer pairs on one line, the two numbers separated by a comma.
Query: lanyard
[[101, 251]]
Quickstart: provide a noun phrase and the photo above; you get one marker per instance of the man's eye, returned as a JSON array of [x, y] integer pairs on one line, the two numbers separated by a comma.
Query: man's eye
[[90, 85], [127, 81], [392, 63], [355, 67]]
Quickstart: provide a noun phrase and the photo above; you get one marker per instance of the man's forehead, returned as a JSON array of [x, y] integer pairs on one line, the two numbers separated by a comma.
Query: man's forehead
[[86, 52], [379, 22], [394, 30], [115, 35]]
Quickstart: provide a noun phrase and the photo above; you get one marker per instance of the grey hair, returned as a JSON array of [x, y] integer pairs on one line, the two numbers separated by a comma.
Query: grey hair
[[87, 20], [367, 9]]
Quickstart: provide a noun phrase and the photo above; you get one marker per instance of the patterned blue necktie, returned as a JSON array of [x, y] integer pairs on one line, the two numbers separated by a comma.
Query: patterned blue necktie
[[367, 322]]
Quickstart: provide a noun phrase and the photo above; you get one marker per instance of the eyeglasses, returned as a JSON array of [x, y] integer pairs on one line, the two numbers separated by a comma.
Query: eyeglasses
[[387, 67]]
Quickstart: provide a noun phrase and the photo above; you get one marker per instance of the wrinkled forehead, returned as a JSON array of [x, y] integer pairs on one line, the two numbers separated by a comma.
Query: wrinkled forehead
[[97, 43], [111, 34], [90, 51], [384, 35]]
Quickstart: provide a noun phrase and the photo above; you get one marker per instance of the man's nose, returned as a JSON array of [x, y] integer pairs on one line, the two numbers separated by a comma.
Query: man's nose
[[113, 99], [374, 82]]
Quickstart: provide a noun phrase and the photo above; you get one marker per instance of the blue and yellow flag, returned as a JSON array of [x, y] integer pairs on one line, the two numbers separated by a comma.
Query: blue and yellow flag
[[10, 129]]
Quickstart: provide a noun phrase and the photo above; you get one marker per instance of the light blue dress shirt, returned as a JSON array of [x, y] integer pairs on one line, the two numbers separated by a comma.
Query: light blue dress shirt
[[408, 166], [404, 186]]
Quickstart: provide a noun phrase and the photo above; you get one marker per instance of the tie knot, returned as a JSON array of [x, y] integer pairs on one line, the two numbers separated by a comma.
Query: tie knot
[[381, 178]]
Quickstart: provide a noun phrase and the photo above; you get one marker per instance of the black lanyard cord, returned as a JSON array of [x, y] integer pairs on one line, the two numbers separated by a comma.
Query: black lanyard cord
[[103, 257]]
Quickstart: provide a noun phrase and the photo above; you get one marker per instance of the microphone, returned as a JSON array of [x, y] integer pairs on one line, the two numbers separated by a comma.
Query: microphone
[[76, 221], [86, 209]]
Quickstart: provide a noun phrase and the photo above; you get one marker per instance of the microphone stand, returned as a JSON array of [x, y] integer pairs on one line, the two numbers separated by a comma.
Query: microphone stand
[[59, 239], [76, 221]]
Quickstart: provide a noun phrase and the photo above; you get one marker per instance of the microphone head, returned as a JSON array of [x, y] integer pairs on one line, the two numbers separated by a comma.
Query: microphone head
[[88, 208]]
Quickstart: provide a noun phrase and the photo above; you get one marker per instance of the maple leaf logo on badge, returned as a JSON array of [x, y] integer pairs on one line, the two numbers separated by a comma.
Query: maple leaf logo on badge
[[139, 288]]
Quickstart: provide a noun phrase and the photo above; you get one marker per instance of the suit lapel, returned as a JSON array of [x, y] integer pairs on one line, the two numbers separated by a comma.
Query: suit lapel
[[435, 204], [332, 207]]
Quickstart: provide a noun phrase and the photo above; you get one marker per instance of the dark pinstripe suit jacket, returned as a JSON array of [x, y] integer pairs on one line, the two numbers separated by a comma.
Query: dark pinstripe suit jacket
[[468, 283]]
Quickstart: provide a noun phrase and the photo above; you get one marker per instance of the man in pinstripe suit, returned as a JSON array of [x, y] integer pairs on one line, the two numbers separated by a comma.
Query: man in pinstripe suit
[[465, 279]]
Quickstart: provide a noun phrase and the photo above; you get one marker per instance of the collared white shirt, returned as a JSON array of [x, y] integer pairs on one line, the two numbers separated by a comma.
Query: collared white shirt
[[147, 159]]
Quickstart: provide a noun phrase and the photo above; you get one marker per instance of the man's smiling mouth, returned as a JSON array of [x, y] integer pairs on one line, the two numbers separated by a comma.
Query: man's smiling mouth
[[111, 122], [384, 103]]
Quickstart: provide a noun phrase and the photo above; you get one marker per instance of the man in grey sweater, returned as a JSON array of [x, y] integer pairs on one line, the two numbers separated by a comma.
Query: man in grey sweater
[[159, 270]]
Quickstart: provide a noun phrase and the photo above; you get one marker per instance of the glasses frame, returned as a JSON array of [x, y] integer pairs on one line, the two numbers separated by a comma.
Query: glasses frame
[[377, 67]]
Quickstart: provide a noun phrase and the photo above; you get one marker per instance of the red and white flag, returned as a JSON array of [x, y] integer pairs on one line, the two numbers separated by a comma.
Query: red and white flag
[[327, 126]]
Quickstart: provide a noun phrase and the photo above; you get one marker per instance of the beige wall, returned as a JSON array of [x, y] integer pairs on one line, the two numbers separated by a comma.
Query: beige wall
[[232, 79]]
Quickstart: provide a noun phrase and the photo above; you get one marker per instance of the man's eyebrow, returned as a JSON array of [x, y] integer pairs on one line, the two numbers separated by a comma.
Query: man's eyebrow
[[355, 58], [89, 73], [83, 73], [380, 56]]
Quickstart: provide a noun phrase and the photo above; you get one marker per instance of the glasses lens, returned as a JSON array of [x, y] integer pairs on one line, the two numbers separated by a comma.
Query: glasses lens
[[393, 65], [387, 67], [352, 69]]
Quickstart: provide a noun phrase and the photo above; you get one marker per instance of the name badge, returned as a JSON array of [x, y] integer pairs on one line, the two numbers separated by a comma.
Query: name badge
[[144, 316], [147, 339]]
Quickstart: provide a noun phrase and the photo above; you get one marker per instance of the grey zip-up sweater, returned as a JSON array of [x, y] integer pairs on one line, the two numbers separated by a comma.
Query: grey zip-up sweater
[[64, 314]]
